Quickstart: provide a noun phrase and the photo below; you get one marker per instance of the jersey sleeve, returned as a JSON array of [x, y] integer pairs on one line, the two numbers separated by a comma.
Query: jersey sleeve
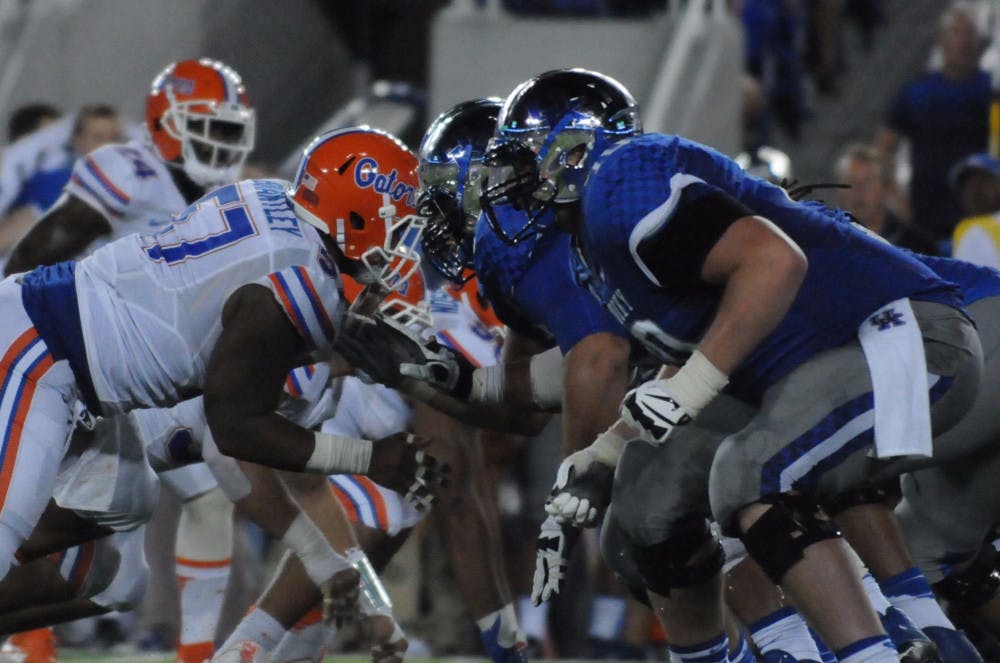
[[310, 299], [672, 241], [107, 180]]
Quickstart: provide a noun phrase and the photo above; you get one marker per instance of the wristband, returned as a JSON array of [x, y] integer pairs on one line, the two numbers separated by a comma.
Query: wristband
[[306, 540], [547, 379], [696, 383], [607, 448], [339, 454], [487, 384]]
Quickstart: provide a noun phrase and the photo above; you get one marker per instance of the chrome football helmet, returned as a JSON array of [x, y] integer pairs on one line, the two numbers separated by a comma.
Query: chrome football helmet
[[550, 132], [451, 173]]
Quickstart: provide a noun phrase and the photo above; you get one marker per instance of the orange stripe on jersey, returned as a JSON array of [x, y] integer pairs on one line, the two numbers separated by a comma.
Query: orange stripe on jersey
[[203, 563], [20, 416], [345, 501], [18, 346], [314, 616], [279, 288], [376, 497]]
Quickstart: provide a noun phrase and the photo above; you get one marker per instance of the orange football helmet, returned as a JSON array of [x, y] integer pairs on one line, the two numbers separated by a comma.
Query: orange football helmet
[[359, 185], [407, 304], [198, 116]]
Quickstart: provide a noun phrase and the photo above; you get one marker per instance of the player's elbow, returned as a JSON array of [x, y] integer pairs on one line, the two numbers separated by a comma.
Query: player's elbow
[[224, 424]]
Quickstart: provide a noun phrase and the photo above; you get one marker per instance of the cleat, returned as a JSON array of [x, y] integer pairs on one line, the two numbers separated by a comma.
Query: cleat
[[37, 646]]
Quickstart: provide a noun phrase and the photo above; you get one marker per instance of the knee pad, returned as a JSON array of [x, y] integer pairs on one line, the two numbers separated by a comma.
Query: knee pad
[[126, 587], [777, 541], [976, 584], [90, 567], [690, 556]]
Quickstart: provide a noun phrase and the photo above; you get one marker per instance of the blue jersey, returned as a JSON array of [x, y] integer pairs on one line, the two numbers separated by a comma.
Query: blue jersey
[[532, 288], [654, 206], [976, 281]]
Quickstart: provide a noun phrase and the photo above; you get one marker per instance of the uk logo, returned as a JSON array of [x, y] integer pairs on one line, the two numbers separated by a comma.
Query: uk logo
[[887, 320]]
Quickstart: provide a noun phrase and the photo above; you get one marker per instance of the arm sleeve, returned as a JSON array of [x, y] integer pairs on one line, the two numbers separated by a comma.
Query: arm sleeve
[[106, 180], [670, 243], [310, 300]]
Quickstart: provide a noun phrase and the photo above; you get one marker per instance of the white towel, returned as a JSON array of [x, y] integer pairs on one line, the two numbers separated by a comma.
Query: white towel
[[894, 350]]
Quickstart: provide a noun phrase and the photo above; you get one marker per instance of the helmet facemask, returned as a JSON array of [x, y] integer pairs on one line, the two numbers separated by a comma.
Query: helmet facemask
[[393, 263], [215, 137], [449, 200]]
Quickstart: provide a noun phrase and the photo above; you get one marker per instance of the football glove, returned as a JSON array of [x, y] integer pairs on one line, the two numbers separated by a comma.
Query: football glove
[[652, 409], [582, 489], [553, 549]]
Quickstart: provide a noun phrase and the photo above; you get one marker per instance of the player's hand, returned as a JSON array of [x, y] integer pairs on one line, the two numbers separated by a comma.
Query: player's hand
[[388, 641], [554, 546], [651, 409], [400, 462], [443, 369], [340, 597], [582, 490], [370, 349]]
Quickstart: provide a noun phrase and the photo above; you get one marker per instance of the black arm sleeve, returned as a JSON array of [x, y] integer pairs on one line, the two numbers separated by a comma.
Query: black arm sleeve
[[676, 250]]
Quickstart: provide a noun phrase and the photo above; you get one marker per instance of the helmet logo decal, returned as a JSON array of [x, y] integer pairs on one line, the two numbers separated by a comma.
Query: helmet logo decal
[[178, 85], [366, 175]]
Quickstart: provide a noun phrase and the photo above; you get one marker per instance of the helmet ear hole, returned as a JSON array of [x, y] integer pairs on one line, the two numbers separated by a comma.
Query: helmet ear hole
[[357, 221]]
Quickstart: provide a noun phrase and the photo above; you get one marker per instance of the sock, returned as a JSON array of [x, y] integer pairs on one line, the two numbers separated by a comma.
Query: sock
[[784, 631], [825, 655], [534, 619], [876, 649], [500, 633], [741, 652], [607, 617], [910, 593], [713, 651], [259, 627], [202, 585], [307, 640]]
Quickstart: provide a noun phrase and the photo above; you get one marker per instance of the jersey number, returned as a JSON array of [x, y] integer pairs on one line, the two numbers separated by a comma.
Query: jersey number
[[237, 222]]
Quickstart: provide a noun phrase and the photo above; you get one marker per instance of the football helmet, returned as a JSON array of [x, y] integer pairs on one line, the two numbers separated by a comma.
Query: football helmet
[[549, 133], [451, 174], [359, 185], [198, 117], [407, 304]]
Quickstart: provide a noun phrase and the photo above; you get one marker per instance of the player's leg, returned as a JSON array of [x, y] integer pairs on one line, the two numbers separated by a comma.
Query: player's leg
[[471, 534], [814, 433], [203, 543]]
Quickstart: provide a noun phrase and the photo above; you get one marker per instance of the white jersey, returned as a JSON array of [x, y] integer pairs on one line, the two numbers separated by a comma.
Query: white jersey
[[45, 149], [150, 305], [129, 185], [459, 328]]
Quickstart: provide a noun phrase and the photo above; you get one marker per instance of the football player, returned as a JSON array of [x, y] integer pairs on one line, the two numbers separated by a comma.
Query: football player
[[725, 275], [200, 127], [237, 290]]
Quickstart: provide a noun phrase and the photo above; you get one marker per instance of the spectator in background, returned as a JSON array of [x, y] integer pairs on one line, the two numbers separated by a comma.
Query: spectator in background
[[869, 184], [29, 118], [95, 125], [944, 116], [976, 182]]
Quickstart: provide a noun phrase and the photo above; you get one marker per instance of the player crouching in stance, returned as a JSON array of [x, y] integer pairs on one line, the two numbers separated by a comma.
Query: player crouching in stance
[[238, 291]]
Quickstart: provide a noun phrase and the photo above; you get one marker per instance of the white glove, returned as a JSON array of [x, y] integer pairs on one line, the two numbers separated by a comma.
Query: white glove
[[653, 410], [582, 489], [555, 543]]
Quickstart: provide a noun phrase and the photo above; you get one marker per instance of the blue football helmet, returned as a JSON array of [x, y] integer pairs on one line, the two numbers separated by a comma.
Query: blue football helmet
[[451, 173], [550, 132]]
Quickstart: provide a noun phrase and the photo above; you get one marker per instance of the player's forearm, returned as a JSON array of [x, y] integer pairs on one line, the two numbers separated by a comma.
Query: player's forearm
[[498, 415], [595, 381]]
